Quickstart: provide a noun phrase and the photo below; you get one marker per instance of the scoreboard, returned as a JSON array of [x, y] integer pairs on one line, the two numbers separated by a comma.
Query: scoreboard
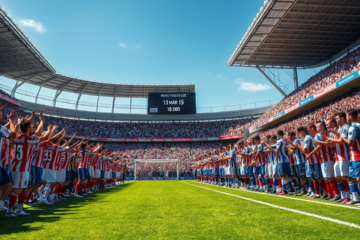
[[171, 103]]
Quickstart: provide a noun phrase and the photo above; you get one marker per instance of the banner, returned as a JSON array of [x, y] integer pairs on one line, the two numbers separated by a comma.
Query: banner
[[317, 94], [9, 99], [156, 139]]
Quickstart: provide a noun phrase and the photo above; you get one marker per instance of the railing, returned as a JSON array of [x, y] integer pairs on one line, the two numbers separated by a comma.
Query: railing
[[142, 108]]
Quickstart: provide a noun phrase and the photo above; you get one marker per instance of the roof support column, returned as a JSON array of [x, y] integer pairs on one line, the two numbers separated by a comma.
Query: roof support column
[[296, 81], [271, 81], [97, 103], [113, 103], [13, 91], [130, 99], [77, 101], [37, 95], [58, 92]]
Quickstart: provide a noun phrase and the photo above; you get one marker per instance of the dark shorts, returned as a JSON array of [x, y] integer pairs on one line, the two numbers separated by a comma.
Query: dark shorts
[[283, 169], [250, 171], [300, 169], [113, 174], [4, 177], [69, 176], [36, 176], [102, 175], [83, 174], [354, 169], [292, 172], [313, 170]]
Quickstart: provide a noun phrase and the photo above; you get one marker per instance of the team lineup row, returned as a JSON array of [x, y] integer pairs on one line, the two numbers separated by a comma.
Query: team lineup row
[[325, 154], [41, 165]]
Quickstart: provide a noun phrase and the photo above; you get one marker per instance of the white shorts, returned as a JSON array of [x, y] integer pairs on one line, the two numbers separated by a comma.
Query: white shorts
[[58, 176], [97, 173], [49, 175], [20, 179], [242, 170], [273, 168], [267, 169], [62, 175], [341, 168], [327, 169], [91, 171], [106, 174]]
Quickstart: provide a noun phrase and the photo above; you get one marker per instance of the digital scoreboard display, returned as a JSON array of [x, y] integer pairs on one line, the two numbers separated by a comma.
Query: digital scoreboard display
[[171, 103]]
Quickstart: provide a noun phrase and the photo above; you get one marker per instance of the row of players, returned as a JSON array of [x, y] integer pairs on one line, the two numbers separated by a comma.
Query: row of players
[[325, 154], [41, 164]]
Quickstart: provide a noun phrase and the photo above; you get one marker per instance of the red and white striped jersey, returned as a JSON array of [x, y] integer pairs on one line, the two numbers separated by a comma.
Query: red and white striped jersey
[[51, 156], [39, 150], [261, 156], [65, 159], [308, 144], [23, 153], [85, 159], [291, 160], [354, 135], [6, 153], [342, 150], [325, 153]]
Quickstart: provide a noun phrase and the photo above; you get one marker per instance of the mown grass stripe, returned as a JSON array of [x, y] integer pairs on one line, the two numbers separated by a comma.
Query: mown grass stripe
[[283, 208]]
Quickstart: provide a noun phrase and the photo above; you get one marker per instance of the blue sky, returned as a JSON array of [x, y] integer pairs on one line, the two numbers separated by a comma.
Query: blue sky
[[146, 42]]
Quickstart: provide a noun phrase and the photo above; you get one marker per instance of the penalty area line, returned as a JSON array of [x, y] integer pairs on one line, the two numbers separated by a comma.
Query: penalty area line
[[296, 199], [283, 208]]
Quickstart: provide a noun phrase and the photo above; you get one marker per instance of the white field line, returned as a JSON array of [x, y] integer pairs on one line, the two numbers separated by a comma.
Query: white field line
[[297, 199], [283, 208]]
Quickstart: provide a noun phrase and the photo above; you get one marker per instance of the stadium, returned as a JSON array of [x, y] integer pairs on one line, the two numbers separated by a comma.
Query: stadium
[[77, 162]]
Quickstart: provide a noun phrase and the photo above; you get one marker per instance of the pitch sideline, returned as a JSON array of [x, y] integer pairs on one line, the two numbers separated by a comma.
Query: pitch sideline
[[297, 199], [283, 208]]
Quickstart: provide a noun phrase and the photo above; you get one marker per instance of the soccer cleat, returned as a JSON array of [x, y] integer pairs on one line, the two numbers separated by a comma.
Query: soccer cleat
[[346, 200], [2, 206], [311, 195], [341, 200], [22, 213], [316, 196], [352, 202], [46, 202], [335, 199], [282, 193], [328, 198], [308, 194], [77, 195], [10, 214], [324, 196]]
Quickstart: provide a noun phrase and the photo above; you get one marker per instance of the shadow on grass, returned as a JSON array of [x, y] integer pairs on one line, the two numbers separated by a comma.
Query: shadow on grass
[[53, 213]]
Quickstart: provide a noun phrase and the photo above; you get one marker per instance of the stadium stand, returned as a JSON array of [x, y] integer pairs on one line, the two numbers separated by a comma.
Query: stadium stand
[[329, 75]]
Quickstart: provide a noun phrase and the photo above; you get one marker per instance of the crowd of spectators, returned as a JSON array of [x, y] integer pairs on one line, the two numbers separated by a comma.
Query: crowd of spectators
[[186, 152], [319, 114], [6, 94], [153, 130], [148, 130], [336, 71]]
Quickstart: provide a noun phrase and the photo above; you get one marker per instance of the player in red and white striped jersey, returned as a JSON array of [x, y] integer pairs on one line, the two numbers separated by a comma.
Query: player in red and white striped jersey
[[20, 167], [326, 157], [353, 140], [342, 155]]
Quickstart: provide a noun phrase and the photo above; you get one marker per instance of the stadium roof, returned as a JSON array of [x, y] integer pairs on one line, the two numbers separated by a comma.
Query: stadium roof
[[299, 33], [22, 61]]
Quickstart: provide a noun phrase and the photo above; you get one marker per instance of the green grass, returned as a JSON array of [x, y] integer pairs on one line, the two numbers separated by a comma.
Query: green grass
[[174, 210]]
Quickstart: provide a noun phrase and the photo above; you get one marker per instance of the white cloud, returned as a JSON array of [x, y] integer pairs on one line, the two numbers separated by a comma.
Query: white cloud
[[251, 87], [123, 45], [37, 26]]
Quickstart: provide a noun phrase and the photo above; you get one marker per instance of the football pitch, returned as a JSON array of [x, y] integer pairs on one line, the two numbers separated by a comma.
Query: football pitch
[[184, 210]]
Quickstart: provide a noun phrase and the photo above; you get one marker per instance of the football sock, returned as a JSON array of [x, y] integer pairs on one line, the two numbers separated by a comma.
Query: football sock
[[354, 190], [341, 189]]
